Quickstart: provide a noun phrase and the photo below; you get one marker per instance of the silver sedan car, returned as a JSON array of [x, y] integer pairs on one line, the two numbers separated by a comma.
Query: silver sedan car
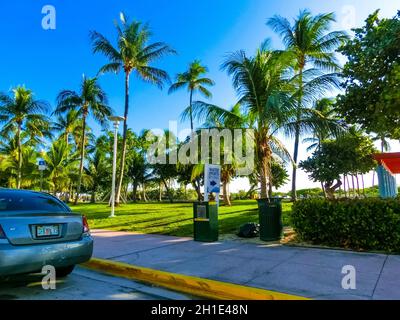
[[37, 229]]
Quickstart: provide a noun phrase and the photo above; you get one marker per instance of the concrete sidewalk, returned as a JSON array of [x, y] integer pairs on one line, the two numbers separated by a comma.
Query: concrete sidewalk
[[312, 273]]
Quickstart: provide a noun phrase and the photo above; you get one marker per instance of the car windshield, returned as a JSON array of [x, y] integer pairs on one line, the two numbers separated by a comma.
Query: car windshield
[[16, 202]]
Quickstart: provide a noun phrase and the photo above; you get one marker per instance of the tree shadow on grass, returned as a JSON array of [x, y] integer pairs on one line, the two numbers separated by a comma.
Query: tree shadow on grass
[[158, 222]]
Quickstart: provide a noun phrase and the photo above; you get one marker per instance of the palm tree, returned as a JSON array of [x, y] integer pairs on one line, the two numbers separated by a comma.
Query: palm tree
[[213, 120], [384, 142], [58, 163], [22, 113], [264, 97], [194, 81], [264, 94], [311, 44], [10, 161], [138, 172], [91, 100], [68, 125], [325, 109], [133, 54], [99, 172]]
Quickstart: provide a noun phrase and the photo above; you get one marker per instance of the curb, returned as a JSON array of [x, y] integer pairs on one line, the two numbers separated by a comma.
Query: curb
[[195, 286]]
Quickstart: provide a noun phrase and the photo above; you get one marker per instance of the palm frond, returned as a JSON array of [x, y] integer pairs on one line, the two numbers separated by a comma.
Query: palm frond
[[101, 44], [176, 86], [154, 75], [155, 51], [203, 111]]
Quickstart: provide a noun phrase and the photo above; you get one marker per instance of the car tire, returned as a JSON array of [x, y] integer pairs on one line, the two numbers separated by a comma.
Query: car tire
[[65, 271]]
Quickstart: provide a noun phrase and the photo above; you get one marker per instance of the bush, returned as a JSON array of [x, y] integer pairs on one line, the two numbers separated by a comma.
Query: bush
[[310, 193], [361, 224], [240, 195]]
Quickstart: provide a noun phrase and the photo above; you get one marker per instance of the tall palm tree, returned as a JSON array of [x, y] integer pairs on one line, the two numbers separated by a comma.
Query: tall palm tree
[[313, 46], [90, 100], [21, 113], [264, 94], [264, 97], [194, 81], [132, 54]]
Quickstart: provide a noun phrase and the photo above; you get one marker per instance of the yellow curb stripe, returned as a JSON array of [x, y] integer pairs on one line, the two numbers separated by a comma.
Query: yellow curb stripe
[[195, 286]]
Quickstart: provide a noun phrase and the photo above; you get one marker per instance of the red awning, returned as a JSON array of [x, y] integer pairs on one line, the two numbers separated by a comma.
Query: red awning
[[391, 161]]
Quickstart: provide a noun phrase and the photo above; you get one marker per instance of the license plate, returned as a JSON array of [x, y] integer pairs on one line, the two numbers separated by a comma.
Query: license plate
[[47, 231]]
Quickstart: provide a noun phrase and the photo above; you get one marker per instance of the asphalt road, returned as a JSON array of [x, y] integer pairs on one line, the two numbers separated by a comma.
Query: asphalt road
[[82, 284]]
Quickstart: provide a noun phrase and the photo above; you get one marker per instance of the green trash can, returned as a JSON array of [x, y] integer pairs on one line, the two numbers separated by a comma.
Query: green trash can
[[270, 215], [205, 222]]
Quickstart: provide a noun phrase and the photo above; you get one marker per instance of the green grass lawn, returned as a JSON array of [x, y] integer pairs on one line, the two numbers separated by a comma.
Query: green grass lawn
[[169, 219]]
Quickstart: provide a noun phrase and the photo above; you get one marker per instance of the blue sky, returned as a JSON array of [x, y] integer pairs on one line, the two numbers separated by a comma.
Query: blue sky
[[48, 61]]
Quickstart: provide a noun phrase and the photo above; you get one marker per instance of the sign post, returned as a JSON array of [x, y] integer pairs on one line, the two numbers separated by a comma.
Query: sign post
[[42, 167]]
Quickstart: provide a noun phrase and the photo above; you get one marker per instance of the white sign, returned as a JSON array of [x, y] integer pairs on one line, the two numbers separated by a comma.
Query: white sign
[[212, 178], [42, 165]]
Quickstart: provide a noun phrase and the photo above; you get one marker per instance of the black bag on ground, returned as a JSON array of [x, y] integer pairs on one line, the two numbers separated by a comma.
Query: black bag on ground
[[249, 230]]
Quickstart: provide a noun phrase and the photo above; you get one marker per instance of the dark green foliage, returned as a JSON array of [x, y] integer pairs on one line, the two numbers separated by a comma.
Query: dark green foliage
[[310, 193], [361, 224], [372, 77], [279, 174], [349, 154]]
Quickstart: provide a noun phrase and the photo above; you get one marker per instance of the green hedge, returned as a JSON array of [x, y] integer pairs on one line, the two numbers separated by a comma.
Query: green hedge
[[361, 224]]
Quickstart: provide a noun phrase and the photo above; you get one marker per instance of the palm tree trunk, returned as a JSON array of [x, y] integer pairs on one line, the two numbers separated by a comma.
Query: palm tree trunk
[[263, 154], [82, 155], [196, 186], [134, 191], [55, 186], [264, 176], [144, 192], [227, 198], [191, 110], [250, 191], [197, 180], [295, 156], [169, 193], [93, 196], [264, 185], [270, 189], [358, 185], [67, 194], [297, 137], [122, 163], [363, 185], [348, 186], [19, 173]]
